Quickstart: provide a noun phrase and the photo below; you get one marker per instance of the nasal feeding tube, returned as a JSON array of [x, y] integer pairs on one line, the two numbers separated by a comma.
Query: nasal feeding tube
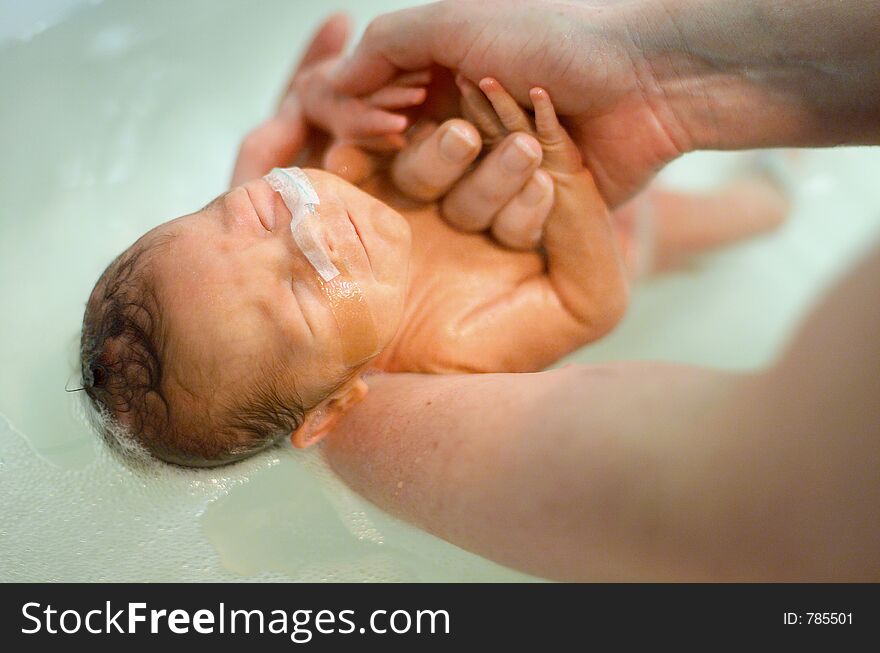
[[301, 199], [357, 330]]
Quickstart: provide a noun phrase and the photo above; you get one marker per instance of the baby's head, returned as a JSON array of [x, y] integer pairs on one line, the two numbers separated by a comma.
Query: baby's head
[[212, 337]]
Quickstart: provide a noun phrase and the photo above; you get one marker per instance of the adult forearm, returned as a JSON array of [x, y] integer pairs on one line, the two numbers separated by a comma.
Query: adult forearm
[[644, 471], [585, 473], [757, 73]]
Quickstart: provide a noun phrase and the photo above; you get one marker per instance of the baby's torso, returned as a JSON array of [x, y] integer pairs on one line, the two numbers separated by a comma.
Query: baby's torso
[[453, 277]]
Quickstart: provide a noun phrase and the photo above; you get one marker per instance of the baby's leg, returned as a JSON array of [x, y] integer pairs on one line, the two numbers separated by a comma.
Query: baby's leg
[[661, 229]]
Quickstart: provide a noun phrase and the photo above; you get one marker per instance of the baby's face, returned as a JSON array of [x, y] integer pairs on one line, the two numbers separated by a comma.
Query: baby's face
[[241, 301]]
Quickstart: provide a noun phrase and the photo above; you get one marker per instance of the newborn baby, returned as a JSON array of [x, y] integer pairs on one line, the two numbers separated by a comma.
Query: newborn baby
[[214, 336]]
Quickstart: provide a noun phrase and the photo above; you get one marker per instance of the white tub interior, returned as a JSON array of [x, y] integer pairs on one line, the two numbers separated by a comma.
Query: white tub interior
[[119, 115]]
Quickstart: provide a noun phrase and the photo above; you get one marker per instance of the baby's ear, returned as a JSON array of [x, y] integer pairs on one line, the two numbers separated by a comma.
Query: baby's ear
[[324, 417]]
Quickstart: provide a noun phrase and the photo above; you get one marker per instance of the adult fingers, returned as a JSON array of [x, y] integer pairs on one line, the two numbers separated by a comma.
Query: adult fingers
[[393, 42], [428, 167], [473, 202], [520, 223]]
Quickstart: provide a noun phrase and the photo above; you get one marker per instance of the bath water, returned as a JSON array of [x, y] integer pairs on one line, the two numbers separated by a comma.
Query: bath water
[[120, 115]]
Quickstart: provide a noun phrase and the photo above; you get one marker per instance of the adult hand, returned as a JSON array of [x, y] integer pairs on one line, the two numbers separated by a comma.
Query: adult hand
[[581, 54], [639, 83], [432, 161]]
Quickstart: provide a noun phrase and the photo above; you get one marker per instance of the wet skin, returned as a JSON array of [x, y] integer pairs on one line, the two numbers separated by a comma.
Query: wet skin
[[480, 244]]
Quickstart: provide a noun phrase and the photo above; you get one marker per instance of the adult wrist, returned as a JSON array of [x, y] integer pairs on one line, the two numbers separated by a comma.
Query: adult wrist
[[736, 75]]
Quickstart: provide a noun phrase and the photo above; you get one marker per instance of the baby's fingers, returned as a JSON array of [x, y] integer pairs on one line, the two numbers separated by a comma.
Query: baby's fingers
[[350, 161], [360, 121], [397, 97], [509, 112], [414, 78], [384, 144], [477, 110], [428, 167], [560, 152]]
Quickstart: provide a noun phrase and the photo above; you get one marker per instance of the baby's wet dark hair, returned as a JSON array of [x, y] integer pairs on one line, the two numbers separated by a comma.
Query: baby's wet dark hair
[[123, 357]]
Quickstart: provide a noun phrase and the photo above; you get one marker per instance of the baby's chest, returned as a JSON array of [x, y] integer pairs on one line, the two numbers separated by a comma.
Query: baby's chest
[[465, 259]]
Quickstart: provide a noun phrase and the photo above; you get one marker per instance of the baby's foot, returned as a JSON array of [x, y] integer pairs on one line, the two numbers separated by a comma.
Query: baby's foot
[[664, 229]]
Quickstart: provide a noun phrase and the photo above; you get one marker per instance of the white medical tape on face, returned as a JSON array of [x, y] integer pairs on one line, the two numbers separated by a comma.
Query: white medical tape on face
[[300, 198]]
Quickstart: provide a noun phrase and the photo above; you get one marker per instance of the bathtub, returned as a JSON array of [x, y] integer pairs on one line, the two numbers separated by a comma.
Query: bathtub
[[119, 115]]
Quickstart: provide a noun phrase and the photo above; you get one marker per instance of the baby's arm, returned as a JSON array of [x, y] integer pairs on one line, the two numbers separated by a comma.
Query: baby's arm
[[585, 284], [279, 140], [584, 265]]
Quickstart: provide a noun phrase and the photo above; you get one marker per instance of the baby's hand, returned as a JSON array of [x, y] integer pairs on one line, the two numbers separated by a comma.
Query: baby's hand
[[374, 121], [357, 125], [584, 266], [497, 115]]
